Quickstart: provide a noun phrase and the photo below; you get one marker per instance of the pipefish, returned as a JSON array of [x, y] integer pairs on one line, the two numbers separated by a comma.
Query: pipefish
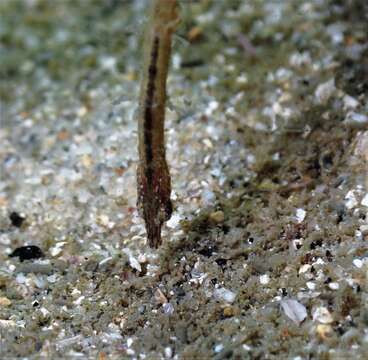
[[153, 176]]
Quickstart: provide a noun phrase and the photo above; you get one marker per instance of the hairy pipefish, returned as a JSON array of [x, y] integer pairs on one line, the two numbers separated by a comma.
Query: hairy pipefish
[[153, 177]]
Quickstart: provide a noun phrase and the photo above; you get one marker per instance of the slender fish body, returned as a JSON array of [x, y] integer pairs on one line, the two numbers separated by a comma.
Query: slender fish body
[[153, 177]]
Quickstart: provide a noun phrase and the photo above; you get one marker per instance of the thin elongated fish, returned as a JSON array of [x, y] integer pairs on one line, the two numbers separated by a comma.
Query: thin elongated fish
[[153, 177]]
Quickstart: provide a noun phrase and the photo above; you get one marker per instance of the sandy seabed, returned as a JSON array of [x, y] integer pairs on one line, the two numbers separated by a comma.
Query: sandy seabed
[[265, 256]]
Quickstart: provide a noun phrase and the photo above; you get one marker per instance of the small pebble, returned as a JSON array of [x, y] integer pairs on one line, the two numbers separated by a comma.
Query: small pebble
[[322, 315], [4, 301], [133, 262], [218, 348], [208, 197], [364, 229], [300, 215], [294, 310], [52, 278], [75, 292], [44, 312], [323, 331], [325, 91], [217, 216], [168, 308], [358, 263], [7, 324], [130, 342], [79, 300], [228, 311], [351, 200], [16, 219], [350, 102], [27, 253], [160, 297], [57, 249], [304, 268], [174, 221], [364, 201], [224, 295], [264, 279], [246, 347], [356, 120], [20, 278], [168, 352], [333, 286]]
